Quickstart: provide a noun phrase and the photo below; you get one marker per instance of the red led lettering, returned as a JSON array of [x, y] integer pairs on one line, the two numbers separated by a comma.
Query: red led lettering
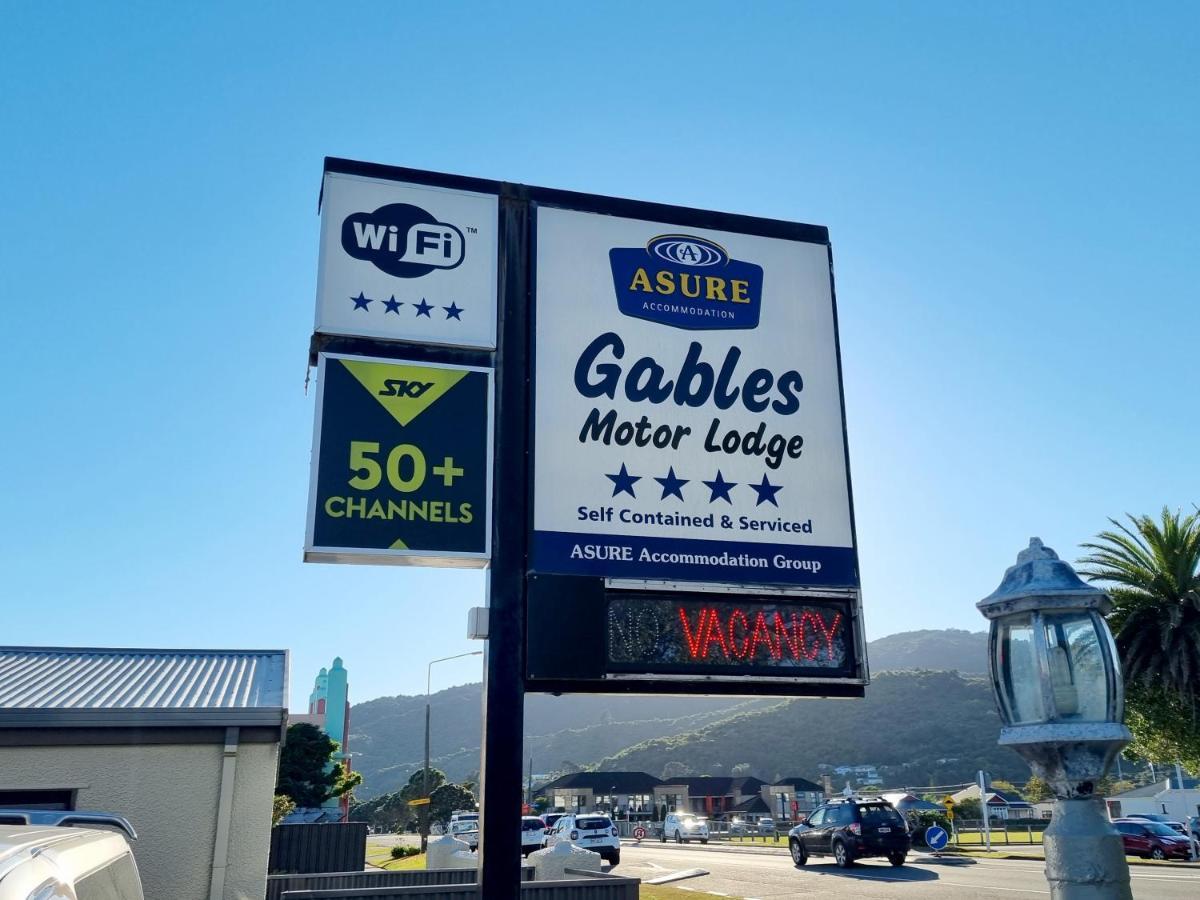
[[717, 631], [739, 650], [805, 636], [828, 632], [693, 640], [761, 636], [792, 637]]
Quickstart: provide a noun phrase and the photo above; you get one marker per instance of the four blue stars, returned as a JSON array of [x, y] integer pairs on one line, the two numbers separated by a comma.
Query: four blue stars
[[392, 305], [766, 491], [720, 488], [671, 484], [623, 482]]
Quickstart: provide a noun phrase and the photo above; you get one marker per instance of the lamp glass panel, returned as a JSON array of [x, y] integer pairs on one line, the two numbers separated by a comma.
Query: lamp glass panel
[[1076, 663], [1016, 668]]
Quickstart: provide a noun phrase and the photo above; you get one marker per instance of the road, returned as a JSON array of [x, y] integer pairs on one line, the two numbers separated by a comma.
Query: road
[[769, 874]]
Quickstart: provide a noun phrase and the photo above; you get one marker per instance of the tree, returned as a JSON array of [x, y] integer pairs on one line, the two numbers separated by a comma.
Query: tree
[[307, 773], [1152, 572], [1154, 569], [281, 808], [969, 808], [447, 799], [388, 812], [1164, 728], [415, 790], [1036, 790]]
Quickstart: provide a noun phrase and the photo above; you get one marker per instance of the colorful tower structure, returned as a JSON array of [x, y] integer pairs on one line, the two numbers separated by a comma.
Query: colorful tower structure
[[329, 710]]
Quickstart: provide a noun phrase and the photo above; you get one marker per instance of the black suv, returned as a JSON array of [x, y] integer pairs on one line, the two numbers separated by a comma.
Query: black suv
[[849, 830]]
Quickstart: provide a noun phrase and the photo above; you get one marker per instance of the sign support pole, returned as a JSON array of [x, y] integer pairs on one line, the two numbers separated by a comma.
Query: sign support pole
[[504, 678]]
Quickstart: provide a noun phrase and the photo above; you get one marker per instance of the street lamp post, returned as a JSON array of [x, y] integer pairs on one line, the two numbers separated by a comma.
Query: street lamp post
[[425, 774], [1058, 687]]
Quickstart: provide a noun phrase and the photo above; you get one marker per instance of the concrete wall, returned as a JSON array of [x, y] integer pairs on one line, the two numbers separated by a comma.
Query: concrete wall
[[170, 793]]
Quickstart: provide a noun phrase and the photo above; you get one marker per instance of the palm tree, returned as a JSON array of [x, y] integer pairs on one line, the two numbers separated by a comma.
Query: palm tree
[[1153, 569]]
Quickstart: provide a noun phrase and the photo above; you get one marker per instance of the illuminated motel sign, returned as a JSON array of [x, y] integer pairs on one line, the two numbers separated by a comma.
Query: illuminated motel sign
[[675, 441]]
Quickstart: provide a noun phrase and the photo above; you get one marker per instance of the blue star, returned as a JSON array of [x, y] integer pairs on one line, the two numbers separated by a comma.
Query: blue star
[[671, 484], [623, 481], [361, 302], [392, 305], [767, 491], [423, 309], [720, 488], [453, 311]]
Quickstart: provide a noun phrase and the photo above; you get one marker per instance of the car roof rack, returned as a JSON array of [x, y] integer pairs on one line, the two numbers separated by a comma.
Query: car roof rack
[[60, 818]]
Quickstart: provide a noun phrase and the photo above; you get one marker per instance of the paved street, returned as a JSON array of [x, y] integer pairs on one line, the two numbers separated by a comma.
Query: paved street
[[769, 875]]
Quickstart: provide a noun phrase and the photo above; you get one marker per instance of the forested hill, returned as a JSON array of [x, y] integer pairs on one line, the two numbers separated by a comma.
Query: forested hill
[[949, 649], [919, 728], [387, 734]]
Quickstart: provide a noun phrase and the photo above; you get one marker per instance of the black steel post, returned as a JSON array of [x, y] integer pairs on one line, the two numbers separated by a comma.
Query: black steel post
[[504, 678]]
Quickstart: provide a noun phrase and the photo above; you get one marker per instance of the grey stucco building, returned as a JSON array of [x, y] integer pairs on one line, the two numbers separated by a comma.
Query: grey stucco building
[[183, 743]]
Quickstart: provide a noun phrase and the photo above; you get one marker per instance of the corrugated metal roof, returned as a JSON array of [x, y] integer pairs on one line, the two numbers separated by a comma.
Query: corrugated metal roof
[[69, 678]]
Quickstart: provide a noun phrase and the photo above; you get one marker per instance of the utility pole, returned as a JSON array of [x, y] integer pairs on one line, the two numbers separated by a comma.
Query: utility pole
[[425, 773]]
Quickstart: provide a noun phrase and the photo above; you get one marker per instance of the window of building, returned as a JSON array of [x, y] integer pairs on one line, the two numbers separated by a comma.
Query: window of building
[[54, 799]]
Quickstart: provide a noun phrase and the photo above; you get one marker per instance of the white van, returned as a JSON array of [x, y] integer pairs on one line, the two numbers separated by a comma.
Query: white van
[[682, 827], [52, 863]]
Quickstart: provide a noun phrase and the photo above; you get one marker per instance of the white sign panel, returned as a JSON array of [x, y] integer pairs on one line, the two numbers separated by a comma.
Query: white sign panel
[[688, 414], [407, 262]]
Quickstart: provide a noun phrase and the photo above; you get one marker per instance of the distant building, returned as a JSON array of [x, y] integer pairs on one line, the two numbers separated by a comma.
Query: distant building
[[1000, 804], [1163, 798], [183, 743], [329, 710], [861, 774], [638, 796]]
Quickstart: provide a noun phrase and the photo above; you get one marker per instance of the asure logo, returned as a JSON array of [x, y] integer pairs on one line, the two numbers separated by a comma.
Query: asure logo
[[403, 240], [686, 282]]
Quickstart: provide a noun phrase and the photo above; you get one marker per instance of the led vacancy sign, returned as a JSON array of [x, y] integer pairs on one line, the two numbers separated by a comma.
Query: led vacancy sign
[[689, 634]]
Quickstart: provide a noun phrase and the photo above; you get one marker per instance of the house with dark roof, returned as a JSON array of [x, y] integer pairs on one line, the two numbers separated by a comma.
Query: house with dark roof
[[182, 743], [638, 796], [1000, 804], [631, 796]]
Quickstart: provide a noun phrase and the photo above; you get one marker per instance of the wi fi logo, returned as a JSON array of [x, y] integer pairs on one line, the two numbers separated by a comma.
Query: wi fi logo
[[403, 240]]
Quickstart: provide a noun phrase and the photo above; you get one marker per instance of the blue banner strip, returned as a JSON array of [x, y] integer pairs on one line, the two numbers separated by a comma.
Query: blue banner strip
[[635, 556]]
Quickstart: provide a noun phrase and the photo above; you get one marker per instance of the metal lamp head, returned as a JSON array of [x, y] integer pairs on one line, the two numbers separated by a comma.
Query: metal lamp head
[[1055, 674]]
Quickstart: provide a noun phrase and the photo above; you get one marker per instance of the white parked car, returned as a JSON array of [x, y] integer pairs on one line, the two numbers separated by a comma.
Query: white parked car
[[533, 831], [591, 831], [683, 827], [56, 863], [766, 825]]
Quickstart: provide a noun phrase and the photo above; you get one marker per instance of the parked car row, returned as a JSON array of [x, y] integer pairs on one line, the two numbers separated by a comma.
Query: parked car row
[[1152, 839]]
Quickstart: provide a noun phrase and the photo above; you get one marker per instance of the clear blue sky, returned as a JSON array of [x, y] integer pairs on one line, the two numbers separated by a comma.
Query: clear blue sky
[[1011, 191]]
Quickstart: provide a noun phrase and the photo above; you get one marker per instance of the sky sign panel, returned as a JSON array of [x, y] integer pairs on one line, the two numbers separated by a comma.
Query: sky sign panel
[[401, 468], [688, 406]]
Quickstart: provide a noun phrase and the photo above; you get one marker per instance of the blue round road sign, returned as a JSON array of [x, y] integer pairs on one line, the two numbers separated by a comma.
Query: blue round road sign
[[936, 837]]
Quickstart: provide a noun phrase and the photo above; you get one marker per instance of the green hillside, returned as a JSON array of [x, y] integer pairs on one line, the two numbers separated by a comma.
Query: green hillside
[[919, 728], [907, 723]]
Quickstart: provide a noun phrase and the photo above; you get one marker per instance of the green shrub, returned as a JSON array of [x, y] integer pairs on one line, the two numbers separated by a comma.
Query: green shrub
[[399, 852]]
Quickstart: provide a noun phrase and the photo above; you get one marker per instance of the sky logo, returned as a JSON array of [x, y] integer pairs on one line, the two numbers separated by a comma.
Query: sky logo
[[686, 282], [403, 240]]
